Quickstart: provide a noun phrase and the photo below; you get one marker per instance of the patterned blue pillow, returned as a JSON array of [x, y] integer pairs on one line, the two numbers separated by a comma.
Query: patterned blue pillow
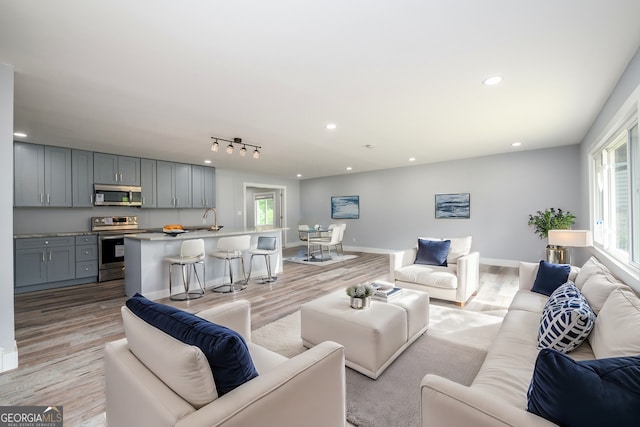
[[567, 320]]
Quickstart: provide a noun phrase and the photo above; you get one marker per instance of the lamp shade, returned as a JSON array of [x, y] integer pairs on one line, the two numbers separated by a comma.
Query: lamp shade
[[571, 238]]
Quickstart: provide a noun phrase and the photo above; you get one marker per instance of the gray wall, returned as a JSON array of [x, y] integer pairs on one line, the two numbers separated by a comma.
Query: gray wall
[[397, 205], [8, 355], [624, 98]]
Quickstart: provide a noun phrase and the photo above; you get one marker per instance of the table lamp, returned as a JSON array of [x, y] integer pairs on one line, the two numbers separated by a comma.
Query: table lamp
[[560, 240]]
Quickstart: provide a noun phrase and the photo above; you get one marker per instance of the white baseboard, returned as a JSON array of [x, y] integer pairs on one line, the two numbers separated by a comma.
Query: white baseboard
[[9, 358]]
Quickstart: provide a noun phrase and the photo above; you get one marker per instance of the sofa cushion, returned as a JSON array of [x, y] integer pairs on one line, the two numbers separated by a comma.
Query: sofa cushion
[[182, 367], [590, 268], [435, 276], [603, 392], [432, 252], [460, 246], [566, 321], [226, 350], [597, 289], [617, 329], [550, 277]]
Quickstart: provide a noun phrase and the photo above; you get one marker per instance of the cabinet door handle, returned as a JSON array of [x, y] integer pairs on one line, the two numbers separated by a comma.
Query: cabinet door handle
[[143, 200], [41, 198], [42, 256], [48, 198], [121, 178], [49, 255], [91, 199], [115, 177]]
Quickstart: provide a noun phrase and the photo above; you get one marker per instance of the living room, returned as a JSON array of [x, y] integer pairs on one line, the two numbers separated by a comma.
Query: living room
[[397, 204]]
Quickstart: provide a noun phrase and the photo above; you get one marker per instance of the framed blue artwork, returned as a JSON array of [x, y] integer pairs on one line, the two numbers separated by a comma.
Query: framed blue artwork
[[345, 207], [453, 205]]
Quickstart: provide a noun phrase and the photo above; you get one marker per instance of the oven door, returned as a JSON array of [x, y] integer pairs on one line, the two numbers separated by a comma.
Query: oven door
[[110, 257]]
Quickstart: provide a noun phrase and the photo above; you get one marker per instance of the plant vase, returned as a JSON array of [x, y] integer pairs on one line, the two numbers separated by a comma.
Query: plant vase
[[360, 303]]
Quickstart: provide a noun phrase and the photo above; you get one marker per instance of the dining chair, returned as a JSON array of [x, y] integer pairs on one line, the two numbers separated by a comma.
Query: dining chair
[[335, 241]]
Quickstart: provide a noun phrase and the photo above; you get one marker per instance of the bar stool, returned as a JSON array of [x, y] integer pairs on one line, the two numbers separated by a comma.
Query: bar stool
[[266, 247], [191, 253], [228, 249]]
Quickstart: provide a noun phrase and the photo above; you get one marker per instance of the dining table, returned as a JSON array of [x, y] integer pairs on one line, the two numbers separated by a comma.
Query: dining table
[[313, 233]]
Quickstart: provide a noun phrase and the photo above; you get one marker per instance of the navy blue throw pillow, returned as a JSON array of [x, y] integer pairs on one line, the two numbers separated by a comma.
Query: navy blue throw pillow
[[550, 277], [432, 252], [601, 392], [224, 348]]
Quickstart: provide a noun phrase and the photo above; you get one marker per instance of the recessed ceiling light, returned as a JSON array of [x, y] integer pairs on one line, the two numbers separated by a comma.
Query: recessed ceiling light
[[493, 80], [20, 134], [349, 168], [412, 159], [369, 146], [207, 161], [299, 175], [516, 144], [331, 126]]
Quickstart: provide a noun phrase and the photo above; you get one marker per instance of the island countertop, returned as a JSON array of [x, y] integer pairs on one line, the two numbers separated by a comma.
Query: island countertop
[[203, 233]]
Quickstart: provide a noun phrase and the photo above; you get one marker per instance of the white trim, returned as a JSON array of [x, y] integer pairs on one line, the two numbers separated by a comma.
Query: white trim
[[283, 207], [9, 358]]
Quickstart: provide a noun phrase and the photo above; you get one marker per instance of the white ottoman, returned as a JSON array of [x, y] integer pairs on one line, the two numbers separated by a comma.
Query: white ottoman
[[373, 337]]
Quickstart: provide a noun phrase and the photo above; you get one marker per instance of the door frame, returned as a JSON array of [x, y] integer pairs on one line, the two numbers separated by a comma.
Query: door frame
[[282, 201]]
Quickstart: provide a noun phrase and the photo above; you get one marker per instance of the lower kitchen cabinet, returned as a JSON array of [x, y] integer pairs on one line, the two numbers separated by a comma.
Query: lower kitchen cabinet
[[49, 262]]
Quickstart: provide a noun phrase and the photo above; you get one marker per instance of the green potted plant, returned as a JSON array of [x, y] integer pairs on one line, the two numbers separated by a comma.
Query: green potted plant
[[552, 219], [360, 295]]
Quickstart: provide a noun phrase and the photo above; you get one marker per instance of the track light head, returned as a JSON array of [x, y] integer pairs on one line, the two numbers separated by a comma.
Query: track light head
[[215, 146], [256, 153], [243, 151]]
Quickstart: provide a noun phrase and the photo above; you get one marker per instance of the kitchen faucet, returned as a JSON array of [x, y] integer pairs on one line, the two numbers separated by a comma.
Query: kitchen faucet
[[215, 218]]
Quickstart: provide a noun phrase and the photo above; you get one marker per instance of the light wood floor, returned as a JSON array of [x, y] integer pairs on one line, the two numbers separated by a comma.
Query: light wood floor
[[61, 333]]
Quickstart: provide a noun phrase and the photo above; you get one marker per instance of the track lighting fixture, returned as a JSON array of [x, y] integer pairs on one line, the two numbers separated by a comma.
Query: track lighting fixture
[[215, 146]]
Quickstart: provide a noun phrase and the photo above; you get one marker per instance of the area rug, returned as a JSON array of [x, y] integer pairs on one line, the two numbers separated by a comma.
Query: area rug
[[300, 259], [454, 347]]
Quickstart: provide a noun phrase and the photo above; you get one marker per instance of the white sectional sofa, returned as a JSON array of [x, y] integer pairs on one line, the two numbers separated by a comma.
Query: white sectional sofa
[[456, 281], [498, 394], [152, 379]]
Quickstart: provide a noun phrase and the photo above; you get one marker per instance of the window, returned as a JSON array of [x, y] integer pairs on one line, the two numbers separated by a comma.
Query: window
[[264, 209], [616, 195]]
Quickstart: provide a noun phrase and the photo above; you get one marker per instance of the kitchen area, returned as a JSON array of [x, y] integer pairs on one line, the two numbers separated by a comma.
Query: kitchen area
[[74, 209]]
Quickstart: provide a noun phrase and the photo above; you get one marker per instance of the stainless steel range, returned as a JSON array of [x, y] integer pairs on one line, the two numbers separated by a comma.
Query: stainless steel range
[[111, 231]]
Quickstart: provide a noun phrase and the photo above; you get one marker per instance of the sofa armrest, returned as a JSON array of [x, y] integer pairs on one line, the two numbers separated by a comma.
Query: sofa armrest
[[234, 315], [309, 389], [445, 403], [468, 275], [400, 259]]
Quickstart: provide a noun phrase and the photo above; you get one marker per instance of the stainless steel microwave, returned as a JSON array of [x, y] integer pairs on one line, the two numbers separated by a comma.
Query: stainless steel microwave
[[117, 195]]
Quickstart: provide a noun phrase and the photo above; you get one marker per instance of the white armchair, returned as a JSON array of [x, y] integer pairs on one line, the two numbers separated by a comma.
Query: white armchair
[[285, 393], [455, 282]]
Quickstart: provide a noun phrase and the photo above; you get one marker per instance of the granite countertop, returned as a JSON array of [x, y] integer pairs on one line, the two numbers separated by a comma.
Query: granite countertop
[[61, 234], [200, 233]]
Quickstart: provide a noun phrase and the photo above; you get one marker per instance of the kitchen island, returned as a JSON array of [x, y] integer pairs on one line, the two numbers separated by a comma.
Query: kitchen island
[[147, 273]]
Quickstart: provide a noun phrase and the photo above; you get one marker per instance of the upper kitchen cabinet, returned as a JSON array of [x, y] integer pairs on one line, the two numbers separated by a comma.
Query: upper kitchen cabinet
[[113, 169], [203, 182], [82, 178], [148, 182], [42, 175], [173, 185]]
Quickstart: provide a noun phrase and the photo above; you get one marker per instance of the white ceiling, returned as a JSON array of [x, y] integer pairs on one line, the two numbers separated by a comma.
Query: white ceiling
[[158, 78]]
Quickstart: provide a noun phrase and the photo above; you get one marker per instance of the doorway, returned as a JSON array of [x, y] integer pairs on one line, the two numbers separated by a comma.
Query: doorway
[[267, 200]]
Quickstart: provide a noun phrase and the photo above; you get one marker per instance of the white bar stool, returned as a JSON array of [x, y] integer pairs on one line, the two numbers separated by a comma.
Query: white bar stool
[[191, 253], [266, 247], [228, 249]]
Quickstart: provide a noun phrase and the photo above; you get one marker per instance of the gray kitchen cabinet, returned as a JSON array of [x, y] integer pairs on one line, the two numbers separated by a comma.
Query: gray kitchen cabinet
[[86, 256], [203, 184], [41, 260], [42, 175], [148, 182], [173, 182], [82, 178], [113, 169]]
